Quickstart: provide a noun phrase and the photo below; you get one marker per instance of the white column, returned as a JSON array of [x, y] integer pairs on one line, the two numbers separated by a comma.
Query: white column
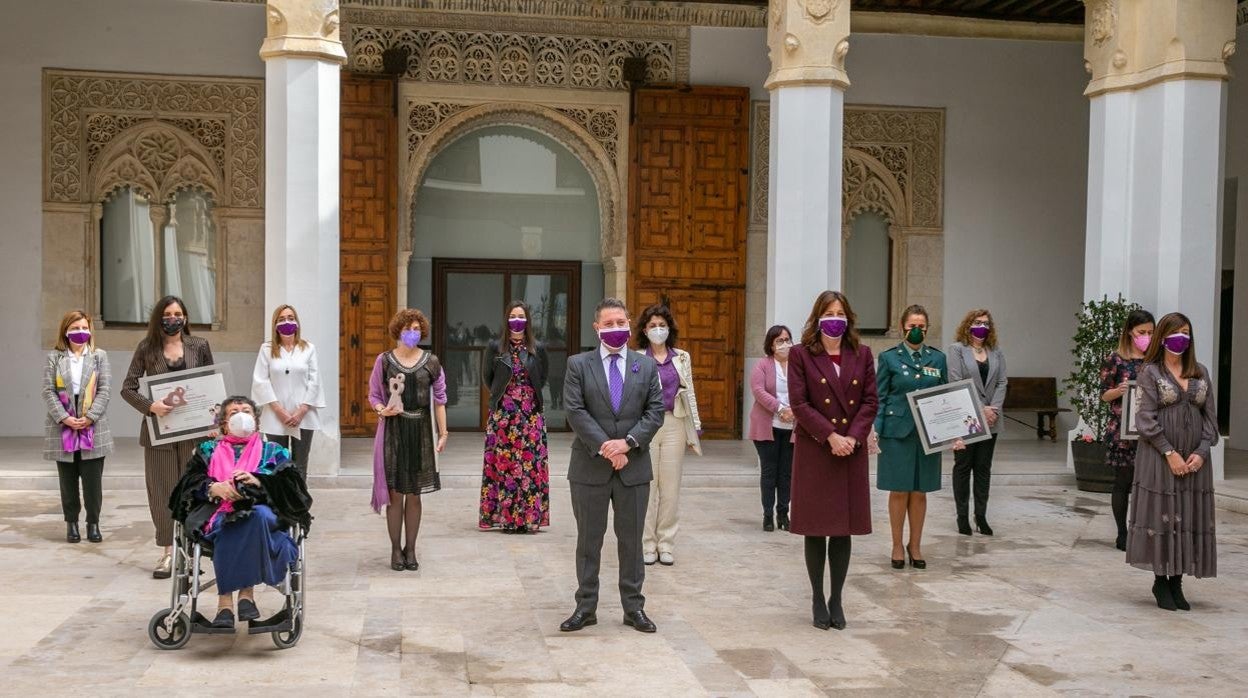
[[303, 58], [1156, 158], [808, 42]]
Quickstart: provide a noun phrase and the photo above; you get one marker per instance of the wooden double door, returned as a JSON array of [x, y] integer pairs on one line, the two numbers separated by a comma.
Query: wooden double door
[[688, 183]]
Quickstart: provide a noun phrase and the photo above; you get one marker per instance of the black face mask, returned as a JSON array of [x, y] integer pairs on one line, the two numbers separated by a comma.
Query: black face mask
[[172, 325]]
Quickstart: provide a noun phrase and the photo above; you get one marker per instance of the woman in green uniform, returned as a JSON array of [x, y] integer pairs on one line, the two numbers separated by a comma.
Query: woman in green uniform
[[903, 469]]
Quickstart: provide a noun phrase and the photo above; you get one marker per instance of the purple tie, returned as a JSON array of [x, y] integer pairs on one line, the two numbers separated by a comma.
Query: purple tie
[[615, 382]]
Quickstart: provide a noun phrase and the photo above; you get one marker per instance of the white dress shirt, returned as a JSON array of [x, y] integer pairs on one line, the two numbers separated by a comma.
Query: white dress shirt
[[75, 370], [604, 354], [292, 379], [782, 396]]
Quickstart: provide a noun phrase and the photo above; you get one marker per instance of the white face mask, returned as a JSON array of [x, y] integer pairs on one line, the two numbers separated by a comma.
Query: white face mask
[[242, 424], [658, 335], [782, 350]]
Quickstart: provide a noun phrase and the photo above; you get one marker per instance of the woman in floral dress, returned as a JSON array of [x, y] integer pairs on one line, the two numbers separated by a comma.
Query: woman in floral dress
[[515, 484], [1121, 366]]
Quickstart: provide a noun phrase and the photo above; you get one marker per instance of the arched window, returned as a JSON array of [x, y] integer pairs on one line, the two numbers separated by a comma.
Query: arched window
[[138, 266], [868, 271]]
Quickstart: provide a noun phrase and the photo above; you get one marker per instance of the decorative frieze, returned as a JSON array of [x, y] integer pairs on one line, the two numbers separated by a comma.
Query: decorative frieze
[[222, 119], [760, 160]]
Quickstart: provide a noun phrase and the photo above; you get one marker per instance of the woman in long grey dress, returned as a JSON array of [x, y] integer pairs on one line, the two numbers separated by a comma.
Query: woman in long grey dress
[[1171, 527]]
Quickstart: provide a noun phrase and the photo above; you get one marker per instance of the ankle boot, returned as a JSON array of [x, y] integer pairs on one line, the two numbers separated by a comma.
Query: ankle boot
[[769, 523], [1165, 598], [981, 522], [964, 525], [1121, 541], [93, 533], [71, 532], [1176, 592], [782, 521]]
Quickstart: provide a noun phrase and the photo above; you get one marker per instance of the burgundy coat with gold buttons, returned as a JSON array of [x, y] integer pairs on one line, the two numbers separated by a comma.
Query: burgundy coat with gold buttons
[[831, 494]]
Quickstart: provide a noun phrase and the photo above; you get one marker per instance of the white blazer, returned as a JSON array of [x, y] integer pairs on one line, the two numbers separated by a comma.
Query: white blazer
[[292, 379]]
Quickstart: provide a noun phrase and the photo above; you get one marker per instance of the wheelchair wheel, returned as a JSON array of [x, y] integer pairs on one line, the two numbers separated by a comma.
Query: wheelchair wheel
[[165, 638], [287, 639]]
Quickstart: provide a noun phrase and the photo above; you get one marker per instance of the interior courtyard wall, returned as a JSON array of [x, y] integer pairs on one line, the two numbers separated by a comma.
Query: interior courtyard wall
[[1237, 167], [1015, 175], [151, 36]]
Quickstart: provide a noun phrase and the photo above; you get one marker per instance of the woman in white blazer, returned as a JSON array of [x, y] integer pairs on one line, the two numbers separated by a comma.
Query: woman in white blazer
[[656, 336], [287, 383], [976, 356]]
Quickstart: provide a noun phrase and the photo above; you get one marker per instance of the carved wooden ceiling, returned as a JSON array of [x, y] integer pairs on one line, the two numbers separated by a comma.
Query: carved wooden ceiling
[[1052, 11]]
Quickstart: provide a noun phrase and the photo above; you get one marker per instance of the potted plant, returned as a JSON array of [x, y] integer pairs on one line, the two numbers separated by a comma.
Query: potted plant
[[1096, 336]]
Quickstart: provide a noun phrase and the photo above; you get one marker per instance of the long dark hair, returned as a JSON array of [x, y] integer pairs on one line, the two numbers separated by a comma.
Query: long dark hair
[[154, 341], [661, 310], [810, 331], [1168, 325], [504, 342], [1134, 319]]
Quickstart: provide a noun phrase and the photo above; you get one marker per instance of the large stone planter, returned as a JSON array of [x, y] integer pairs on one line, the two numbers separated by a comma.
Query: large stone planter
[[1091, 472]]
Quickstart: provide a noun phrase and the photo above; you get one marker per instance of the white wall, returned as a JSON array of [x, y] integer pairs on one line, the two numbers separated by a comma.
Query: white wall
[[1237, 166], [1015, 168], [156, 36]]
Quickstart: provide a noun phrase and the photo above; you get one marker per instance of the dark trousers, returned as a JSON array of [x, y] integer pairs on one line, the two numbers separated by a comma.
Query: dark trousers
[[975, 458], [590, 504], [91, 472], [299, 448], [775, 460]]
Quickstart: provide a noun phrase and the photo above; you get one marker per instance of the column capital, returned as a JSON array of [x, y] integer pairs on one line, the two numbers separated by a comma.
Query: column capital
[[303, 28], [1129, 44], [807, 42]]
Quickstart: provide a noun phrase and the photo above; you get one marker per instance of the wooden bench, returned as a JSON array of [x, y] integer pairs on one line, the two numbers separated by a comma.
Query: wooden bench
[[1038, 395]]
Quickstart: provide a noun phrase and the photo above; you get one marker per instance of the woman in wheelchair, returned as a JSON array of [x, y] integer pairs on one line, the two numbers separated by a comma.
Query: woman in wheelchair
[[239, 495]]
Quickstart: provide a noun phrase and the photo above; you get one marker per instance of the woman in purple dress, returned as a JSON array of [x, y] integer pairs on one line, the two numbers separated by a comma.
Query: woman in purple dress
[[515, 483]]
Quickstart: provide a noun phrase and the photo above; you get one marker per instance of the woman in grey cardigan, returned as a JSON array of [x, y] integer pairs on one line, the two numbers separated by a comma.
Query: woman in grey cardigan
[[976, 356], [76, 388]]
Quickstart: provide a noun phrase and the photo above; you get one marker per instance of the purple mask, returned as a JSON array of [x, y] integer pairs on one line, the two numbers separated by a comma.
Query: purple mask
[[980, 331], [833, 327], [1177, 343], [1142, 341], [410, 338], [288, 328], [517, 324], [614, 338], [78, 336]]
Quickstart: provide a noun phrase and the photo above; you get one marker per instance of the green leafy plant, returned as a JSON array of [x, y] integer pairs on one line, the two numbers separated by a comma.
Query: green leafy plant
[[1096, 336]]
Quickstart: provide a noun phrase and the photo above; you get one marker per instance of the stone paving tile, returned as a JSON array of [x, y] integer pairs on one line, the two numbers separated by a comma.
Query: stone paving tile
[[1046, 607]]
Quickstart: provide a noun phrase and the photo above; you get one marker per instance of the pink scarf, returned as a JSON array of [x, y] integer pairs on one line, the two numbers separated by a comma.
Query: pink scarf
[[222, 466]]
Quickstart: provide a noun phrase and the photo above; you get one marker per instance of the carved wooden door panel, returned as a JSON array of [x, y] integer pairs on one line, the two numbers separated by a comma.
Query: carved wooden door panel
[[688, 180], [368, 184]]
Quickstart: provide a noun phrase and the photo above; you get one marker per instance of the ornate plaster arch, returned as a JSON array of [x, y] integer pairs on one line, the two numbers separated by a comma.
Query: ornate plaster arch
[[158, 159], [867, 185], [583, 145]]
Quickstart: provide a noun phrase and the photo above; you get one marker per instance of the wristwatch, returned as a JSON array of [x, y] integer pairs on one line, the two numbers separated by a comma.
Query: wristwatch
[[1167, 453]]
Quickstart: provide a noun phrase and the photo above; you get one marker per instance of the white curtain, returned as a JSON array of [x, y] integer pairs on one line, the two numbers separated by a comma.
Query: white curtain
[[127, 256], [189, 240]]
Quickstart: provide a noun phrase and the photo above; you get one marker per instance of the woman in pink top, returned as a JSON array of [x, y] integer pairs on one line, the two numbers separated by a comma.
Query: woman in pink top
[[771, 426]]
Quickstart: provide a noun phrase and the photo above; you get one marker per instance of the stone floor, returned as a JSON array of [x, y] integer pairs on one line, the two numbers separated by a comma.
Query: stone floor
[[1045, 607]]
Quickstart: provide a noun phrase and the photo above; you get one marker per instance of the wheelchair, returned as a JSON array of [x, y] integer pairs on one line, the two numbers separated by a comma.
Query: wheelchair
[[171, 628]]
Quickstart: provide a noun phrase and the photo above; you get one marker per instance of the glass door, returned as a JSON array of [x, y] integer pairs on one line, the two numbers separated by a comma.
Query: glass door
[[469, 297]]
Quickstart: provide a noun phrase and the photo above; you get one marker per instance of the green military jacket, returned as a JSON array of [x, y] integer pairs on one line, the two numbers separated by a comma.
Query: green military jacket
[[897, 374]]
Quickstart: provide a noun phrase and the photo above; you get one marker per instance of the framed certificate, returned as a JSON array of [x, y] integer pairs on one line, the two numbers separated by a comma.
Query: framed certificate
[[1130, 407], [945, 413], [194, 394]]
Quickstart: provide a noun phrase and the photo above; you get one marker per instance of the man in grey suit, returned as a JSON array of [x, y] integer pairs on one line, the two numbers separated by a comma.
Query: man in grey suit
[[615, 406]]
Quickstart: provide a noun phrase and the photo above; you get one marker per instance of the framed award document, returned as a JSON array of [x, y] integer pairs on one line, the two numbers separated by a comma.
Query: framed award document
[[1130, 407], [194, 394], [946, 413]]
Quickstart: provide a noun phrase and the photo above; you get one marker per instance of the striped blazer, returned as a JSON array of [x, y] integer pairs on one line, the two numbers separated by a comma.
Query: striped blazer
[[95, 362], [195, 353]]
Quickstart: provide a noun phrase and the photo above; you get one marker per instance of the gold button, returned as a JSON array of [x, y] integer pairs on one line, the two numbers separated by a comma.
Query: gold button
[[827, 401], [823, 380], [844, 421], [855, 381], [851, 402]]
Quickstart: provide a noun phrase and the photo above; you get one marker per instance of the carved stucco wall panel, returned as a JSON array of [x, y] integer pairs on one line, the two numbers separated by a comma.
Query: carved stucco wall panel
[[158, 134]]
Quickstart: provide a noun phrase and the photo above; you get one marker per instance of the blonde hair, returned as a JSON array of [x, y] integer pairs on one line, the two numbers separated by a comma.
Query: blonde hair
[[62, 342], [275, 343], [964, 330]]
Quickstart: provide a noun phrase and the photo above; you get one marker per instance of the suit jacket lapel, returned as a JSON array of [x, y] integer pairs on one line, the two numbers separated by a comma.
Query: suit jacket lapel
[[600, 376], [849, 369]]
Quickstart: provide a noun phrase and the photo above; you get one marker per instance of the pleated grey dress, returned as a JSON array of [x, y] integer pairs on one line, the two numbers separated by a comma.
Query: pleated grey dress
[[1171, 526]]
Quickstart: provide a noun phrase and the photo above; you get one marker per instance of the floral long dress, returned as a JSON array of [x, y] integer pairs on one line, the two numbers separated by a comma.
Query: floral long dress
[[1115, 370], [515, 486]]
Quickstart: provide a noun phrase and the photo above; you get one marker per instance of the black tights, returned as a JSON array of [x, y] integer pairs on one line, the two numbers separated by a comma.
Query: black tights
[[403, 508], [1121, 496], [836, 550]]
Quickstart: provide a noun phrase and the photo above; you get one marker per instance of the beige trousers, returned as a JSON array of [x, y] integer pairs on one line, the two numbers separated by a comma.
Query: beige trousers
[[667, 454]]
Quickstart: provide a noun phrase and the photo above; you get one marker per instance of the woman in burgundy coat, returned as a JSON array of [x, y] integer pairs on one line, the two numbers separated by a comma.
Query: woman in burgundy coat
[[833, 395]]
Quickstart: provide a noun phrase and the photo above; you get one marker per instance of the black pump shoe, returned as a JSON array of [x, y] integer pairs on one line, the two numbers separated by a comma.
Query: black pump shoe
[[768, 524], [93, 533], [837, 614], [981, 522], [411, 563], [964, 526], [71, 532], [820, 617], [397, 563], [915, 562], [782, 521]]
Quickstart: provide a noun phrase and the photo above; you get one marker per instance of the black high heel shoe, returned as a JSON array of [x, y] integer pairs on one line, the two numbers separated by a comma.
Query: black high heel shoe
[[820, 617], [837, 614], [981, 523], [915, 562], [397, 563], [71, 532], [897, 564], [410, 561], [964, 526]]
